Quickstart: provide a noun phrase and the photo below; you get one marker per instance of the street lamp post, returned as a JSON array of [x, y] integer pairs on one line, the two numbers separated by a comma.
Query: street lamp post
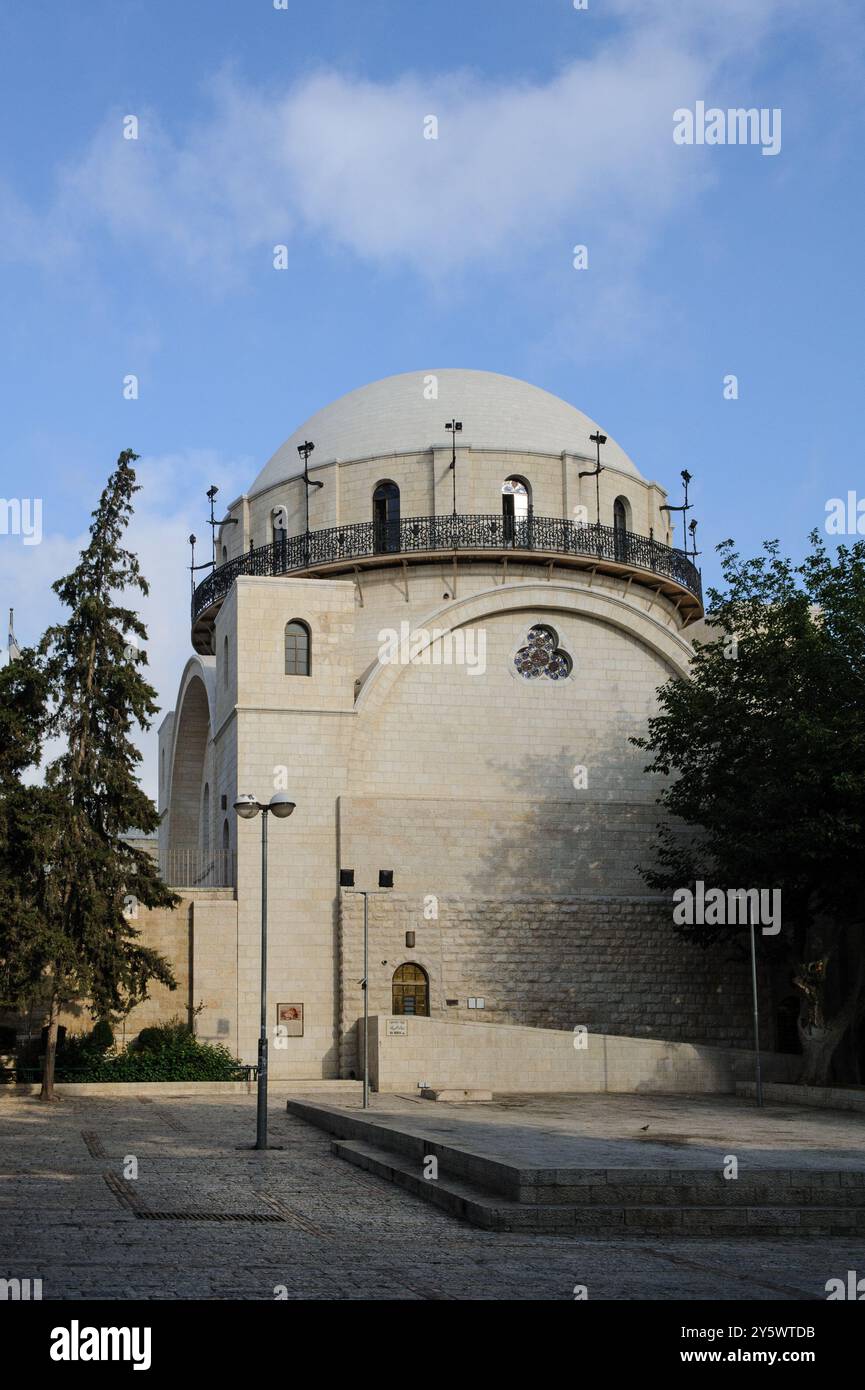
[[385, 883], [756, 1005], [247, 807]]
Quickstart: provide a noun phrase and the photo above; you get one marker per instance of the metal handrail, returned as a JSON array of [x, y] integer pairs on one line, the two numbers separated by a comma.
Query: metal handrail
[[198, 868], [428, 534]]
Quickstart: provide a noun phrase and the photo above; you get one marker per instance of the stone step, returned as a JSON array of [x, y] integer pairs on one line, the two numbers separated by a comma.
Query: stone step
[[494, 1212], [451, 1095]]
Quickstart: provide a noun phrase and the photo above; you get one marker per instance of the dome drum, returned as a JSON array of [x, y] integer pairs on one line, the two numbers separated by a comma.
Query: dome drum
[[336, 549]]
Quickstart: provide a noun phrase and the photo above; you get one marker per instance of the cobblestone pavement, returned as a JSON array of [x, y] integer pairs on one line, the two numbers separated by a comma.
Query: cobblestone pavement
[[69, 1217]]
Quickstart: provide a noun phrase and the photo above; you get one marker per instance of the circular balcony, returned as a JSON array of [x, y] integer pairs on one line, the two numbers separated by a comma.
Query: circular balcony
[[416, 540]]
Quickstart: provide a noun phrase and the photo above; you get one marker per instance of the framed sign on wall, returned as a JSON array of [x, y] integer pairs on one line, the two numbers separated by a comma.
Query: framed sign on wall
[[289, 1020]]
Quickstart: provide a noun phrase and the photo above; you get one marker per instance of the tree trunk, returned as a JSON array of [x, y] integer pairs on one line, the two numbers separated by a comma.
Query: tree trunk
[[47, 1092], [819, 1046]]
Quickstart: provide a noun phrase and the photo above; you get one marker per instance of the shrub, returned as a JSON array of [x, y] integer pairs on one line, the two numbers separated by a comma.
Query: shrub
[[102, 1036], [162, 1035], [167, 1052]]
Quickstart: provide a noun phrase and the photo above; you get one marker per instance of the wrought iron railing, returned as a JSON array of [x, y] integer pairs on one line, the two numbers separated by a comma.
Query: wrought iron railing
[[418, 535], [197, 868]]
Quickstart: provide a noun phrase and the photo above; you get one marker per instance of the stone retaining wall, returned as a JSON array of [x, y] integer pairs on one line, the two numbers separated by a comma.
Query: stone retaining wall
[[405, 1052]]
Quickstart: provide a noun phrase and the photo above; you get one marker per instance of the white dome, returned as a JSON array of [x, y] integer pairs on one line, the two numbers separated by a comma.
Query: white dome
[[394, 416]]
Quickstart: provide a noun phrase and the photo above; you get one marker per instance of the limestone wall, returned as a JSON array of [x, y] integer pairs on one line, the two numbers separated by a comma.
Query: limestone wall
[[199, 938], [407, 1052]]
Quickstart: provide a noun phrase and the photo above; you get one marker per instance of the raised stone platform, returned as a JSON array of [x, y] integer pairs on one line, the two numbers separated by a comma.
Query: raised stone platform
[[597, 1165], [819, 1097]]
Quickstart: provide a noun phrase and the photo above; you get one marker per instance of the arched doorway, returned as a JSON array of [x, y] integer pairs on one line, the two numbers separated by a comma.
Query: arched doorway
[[279, 525], [410, 990], [516, 510], [385, 518]]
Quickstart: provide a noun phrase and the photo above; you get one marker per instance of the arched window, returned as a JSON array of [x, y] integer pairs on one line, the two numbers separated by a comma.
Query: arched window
[[225, 662], [224, 553], [279, 533], [516, 510], [621, 526], [410, 990], [298, 649], [385, 518], [205, 819], [226, 837]]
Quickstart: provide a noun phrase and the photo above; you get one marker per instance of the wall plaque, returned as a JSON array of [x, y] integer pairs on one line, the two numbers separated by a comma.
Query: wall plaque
[[289, 1020], [397, 1028]]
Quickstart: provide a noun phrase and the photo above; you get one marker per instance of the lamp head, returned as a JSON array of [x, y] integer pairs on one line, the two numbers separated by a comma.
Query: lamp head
[[247, 806], [281, 805]]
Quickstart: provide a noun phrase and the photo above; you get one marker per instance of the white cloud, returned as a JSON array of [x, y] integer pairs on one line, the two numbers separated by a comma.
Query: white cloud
[[344, 159]]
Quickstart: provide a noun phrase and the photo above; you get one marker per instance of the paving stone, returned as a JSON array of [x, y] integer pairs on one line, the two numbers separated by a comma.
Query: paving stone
[[347, 1234]]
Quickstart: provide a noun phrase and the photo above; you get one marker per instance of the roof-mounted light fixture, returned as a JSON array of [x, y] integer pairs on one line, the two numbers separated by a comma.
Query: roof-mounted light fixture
[[597, 439], [455, 427], [684, 509]]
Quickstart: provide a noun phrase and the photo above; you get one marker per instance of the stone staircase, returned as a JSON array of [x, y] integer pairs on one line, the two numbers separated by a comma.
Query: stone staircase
[[501, 1196]]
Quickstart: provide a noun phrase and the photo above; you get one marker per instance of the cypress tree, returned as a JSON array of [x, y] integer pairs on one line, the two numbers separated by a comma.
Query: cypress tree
[[95, 880]]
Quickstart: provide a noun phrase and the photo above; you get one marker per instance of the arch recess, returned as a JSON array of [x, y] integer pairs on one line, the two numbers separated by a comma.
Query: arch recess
[[193, 730], [568, 599]]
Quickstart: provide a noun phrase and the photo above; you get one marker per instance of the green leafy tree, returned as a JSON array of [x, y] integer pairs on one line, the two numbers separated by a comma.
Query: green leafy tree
[[77, 939], [764, 752], [27, 829]]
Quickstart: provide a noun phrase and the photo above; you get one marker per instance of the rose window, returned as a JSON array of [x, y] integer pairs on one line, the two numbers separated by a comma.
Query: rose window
[[542, 658]]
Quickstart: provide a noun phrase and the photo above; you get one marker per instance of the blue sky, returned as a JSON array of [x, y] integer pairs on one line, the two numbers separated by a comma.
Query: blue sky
[[303, 126]]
